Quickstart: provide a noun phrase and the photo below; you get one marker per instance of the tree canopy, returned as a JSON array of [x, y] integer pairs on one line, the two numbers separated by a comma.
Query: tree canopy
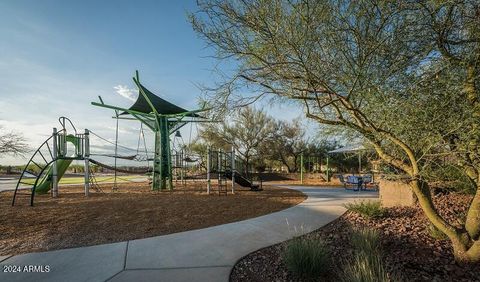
[[402, 75]]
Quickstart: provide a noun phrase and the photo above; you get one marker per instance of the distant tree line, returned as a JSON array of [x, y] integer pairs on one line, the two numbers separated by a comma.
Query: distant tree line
[[266, 143]]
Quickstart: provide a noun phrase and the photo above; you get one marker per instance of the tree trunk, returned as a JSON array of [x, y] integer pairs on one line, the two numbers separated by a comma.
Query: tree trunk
[[472, 222], [465, 249]]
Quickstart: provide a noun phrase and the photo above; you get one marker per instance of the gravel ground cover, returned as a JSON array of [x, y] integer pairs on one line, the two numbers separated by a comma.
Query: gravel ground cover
[[410, 251], [132, 212]]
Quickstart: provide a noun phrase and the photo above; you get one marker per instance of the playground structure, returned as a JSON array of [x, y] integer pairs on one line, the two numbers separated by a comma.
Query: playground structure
[[52, 159], [228, 166], [164, 119]]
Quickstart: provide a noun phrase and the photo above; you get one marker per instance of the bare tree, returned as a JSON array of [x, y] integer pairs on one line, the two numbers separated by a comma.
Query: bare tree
[[12, 143]]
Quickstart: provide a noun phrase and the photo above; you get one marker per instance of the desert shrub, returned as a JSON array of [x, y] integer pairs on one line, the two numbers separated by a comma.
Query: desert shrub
[[367, 262], [435, 233], [307, 258], [370, 209]]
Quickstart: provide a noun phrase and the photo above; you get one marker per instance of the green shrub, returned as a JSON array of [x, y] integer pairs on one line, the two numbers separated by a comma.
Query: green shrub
[[307, 258], [451, 178], [435, 233], [367, 262], [370, 209]]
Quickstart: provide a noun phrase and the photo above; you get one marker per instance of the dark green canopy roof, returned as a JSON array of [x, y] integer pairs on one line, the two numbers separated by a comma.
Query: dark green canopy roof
[[161, 106]]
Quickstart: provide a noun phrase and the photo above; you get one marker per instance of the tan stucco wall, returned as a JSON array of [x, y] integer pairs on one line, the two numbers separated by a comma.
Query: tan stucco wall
[[395, 193]]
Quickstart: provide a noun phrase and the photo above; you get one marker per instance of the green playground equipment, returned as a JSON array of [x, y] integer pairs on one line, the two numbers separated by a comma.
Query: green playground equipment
[[45, 184], [164, 119], [51, 160]]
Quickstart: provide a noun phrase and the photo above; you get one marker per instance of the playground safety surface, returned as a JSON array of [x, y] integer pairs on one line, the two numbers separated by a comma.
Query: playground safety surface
[[132, 212]]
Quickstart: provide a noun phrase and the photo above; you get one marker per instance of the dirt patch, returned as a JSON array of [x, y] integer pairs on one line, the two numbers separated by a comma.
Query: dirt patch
[[410, 252], [133, 212]]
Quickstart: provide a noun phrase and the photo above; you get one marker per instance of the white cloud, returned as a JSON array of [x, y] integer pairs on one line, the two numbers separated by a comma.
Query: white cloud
[[124, 91]]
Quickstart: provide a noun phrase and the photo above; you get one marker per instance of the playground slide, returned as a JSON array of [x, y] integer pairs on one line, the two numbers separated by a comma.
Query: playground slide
[[242, 180], [44, 185]]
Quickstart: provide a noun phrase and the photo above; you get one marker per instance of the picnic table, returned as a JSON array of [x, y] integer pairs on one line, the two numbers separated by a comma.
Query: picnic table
[[358, 182]]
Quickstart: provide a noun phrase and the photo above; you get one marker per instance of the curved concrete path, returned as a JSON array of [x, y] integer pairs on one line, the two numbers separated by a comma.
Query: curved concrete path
[[199, 255]]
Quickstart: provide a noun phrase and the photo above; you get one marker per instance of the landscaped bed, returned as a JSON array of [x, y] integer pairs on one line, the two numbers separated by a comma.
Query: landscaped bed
[[132, 212], [409, 251]]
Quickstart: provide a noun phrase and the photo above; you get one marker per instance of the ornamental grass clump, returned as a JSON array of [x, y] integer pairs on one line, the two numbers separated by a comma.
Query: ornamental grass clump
[[369, 209], [307, 258], [366, 265]]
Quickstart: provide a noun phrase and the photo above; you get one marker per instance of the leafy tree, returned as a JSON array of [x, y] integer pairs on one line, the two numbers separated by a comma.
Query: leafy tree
[[287, 143], [247, 130], [380, 69]]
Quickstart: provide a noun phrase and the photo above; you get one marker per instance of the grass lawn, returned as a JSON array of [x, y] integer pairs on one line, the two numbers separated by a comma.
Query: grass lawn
[[100, 179]]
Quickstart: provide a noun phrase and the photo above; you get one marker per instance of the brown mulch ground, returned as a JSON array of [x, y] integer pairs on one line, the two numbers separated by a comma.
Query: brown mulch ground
[[133, 212], [411, 254]]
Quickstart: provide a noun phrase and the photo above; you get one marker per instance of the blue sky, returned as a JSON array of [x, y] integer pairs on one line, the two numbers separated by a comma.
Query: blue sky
[[58, 56]]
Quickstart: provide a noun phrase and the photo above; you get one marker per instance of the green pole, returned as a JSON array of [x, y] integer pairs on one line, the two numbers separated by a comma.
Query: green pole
[[301, 168], [165, 155], [157, 168], [328, 171]]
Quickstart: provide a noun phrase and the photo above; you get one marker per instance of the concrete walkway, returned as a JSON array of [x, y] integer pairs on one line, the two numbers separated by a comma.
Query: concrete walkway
[[200, 255]]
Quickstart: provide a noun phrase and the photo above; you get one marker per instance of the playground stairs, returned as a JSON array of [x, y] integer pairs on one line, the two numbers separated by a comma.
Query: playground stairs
[[222, 184], [94, 183]]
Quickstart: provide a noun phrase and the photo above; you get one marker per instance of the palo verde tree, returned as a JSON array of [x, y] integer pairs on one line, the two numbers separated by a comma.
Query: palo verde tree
[[287, 143], [245, 131], [367, 67]]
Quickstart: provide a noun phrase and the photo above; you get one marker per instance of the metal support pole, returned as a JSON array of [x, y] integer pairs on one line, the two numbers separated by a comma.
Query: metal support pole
[[233, 170], [86, 156], [54, 164], [168, 152], [301, 168], [182, 165], [157, 163], [208, 170], [163, 161], [219, 170], [359, 163], [116, 152]]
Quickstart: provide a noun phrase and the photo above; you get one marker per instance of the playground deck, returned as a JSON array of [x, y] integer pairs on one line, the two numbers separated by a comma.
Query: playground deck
[[131, 213]]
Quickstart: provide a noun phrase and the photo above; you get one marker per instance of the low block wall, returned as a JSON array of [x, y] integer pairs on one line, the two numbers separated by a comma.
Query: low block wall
[[396, 193]]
